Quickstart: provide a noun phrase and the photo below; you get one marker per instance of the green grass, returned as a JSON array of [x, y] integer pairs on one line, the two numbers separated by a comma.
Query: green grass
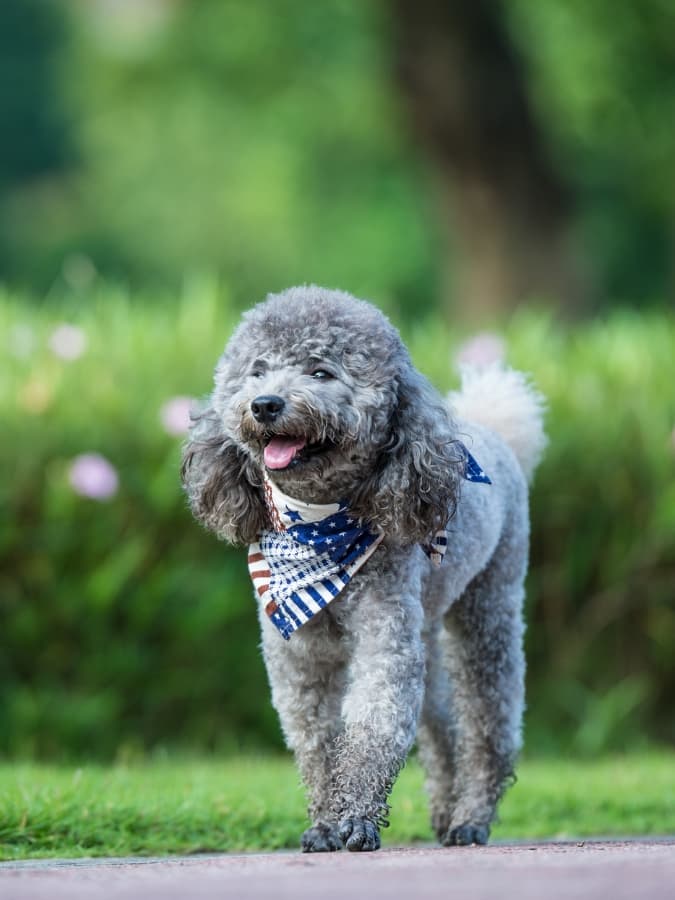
[[166, 806]]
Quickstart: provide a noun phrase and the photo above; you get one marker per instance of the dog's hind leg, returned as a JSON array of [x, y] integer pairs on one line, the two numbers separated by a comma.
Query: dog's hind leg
[[435, 736], [483, 639]]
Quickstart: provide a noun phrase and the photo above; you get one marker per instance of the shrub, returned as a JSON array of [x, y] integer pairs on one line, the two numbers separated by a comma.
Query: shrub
[[125, 626]]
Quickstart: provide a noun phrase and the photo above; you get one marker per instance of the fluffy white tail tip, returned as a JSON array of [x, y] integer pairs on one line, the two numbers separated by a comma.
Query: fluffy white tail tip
[[505, 401]]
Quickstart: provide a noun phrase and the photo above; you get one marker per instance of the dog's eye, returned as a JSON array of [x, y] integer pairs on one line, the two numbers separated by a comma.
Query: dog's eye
[[258, 368], [321, 374]]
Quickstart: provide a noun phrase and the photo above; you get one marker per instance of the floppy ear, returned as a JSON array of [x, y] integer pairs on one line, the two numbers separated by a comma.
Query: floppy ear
[[413, 491], [223, 485]]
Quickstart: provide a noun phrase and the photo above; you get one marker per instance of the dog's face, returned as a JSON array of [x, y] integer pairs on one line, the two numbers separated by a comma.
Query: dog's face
[[307, 389], [316, 390]]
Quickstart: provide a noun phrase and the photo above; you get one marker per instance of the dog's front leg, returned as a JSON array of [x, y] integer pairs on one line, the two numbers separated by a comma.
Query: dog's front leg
[[307, 680], [382, 624]]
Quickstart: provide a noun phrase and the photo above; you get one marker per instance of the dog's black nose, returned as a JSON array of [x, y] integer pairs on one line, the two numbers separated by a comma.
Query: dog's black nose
[[267, 407]]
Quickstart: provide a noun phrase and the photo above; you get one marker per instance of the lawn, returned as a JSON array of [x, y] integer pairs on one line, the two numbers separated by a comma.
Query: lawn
[[208, 805]]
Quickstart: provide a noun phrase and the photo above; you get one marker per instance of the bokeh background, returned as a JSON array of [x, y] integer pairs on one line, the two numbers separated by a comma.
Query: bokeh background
[[498, 177]]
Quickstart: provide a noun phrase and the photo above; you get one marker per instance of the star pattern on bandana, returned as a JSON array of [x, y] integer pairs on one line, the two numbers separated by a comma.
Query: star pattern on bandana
[[293, 514], [473, 472]]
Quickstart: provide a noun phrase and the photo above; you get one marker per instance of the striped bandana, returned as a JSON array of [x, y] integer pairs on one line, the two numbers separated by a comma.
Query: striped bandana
[[313, 550]]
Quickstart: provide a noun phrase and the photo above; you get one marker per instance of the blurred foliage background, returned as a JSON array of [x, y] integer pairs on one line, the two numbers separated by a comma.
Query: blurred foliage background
[[164, 164]]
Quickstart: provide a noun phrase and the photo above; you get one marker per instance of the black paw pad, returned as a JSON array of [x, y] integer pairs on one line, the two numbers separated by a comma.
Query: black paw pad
[[320, 839], [359, 834], [466, 835]]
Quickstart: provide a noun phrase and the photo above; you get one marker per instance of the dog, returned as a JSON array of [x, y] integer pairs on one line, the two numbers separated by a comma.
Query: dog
[[388, 545]]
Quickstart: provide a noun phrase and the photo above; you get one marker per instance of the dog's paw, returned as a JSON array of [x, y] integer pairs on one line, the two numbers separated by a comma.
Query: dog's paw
[[467, 834], [440, 822], [320, 839], [359, 834]]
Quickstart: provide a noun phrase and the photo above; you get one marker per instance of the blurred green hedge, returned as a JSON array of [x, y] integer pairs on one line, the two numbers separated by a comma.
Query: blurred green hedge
[[126, 627]]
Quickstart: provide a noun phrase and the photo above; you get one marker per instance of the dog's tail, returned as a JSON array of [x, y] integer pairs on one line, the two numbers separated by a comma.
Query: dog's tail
[[505, 401]]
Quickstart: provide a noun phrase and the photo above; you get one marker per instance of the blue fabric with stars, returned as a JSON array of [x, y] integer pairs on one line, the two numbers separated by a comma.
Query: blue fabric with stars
[[473, 472], [340, 537]]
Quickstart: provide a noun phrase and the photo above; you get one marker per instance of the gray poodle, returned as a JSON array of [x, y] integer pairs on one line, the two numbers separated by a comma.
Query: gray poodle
[[388, 545]]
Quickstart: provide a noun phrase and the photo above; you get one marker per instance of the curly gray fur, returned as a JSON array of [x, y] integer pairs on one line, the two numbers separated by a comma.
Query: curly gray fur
[[404, 650], [225, 488]]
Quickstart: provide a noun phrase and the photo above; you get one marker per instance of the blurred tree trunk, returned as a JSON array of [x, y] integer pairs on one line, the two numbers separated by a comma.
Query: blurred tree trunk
[[504, 208]]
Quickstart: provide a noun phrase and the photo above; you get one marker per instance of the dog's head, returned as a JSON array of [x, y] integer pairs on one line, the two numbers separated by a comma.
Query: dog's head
[[317, 389]]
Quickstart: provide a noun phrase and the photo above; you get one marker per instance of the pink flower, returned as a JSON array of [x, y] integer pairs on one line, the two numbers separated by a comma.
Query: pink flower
[[68, 341], [175, 415], [91, 475], [481, 350]]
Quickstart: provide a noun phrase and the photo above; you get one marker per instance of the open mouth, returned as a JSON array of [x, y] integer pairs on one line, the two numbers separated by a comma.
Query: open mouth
[[283, 450]]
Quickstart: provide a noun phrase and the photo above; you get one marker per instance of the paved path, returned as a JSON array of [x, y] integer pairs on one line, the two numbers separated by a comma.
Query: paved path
[[592, 870]]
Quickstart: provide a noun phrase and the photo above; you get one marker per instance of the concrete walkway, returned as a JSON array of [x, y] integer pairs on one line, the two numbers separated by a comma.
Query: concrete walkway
[[592, 870]]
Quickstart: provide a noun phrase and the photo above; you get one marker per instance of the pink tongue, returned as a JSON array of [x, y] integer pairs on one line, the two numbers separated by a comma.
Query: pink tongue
[[281, 451]]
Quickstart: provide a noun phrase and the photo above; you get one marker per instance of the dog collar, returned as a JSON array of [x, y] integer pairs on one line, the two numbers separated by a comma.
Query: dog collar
[[312, 552]]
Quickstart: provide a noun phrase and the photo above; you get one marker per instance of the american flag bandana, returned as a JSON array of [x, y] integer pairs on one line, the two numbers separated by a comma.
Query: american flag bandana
[[313, 550]]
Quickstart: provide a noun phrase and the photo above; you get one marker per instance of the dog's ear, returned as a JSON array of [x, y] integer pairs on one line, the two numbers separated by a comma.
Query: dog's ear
[[223, 485], [413, 491]]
